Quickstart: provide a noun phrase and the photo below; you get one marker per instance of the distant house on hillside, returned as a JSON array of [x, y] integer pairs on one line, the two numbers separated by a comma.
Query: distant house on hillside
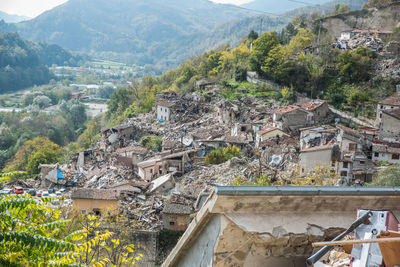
[[164, 110]]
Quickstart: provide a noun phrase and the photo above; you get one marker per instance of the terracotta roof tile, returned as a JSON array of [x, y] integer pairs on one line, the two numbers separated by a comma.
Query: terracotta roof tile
[[172, 208], [312, 105], [96, 194]]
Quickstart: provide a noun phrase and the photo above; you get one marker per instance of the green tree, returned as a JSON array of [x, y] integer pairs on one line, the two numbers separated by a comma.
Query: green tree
[[262, 46], [222, 155], [355, 66], [34, 234], [152, 142], [253, 35], [31, 152]]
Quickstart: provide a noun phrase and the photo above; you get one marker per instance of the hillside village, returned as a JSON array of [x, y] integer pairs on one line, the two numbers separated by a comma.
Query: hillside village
[[161, 190]]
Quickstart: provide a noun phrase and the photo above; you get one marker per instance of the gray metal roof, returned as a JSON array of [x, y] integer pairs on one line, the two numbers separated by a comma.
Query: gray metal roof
[[306, 190]]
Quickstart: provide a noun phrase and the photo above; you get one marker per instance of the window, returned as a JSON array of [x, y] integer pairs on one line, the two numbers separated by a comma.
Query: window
[[171, 223], [395, 156], [343, 173], [345, 165], [84, 212], [380, 115], [352, 147], [376, 154], [362, 162]]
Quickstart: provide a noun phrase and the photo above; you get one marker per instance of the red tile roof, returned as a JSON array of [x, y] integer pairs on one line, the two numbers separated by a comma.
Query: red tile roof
[[267, 129], [316, 148], [312, 105], [286, 109]]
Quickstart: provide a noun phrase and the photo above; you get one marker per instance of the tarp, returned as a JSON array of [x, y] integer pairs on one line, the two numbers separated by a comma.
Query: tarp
[[59, 175]]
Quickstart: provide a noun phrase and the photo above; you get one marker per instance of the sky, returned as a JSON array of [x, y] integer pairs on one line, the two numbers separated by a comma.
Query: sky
[[32, 8]]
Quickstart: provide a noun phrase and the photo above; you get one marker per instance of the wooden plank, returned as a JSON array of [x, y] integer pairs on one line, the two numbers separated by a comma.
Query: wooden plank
[[390, 251], [358, 241]]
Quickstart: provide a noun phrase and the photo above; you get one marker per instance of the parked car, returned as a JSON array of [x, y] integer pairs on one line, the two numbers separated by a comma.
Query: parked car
[[58, 193], [6, 191], [39, 194], [45, 194], [18, 190], [51, 191], [32, 192]]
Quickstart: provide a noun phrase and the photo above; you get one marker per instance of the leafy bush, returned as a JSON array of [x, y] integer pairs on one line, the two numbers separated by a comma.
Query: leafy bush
[[222, 155], [389, 176], [33, 234], [152, 142]]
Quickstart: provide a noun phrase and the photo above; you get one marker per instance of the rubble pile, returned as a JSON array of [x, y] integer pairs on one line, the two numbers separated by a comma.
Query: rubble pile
[[370, 41], [388, 68]]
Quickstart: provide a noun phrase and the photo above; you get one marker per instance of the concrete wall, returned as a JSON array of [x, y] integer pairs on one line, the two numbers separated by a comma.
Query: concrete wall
[[389, 128], [201, 252], [312, 159], [90, 204]]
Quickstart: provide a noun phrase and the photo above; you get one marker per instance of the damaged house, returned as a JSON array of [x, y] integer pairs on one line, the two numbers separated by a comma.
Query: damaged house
[[130, 155], [386, 151], [229, 112], [164, 110], [355, 166], [165, 163], [176, 216], [292, 118], [89, 200], [320, 111], [390, 125], [387, 104], [319, 156], [120, 136], [316, 136], [267, 133]]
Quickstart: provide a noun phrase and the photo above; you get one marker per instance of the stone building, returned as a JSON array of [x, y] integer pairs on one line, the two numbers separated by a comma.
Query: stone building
[[320, 111], [326, 156], [390, 125], [292, 118], [386, 151], [164, 110], [176, 217], [387, 104], [89, 200]]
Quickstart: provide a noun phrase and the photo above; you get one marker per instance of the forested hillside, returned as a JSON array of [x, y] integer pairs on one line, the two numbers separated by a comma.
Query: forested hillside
[[20, 66], [24, 63], [147, 31]]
